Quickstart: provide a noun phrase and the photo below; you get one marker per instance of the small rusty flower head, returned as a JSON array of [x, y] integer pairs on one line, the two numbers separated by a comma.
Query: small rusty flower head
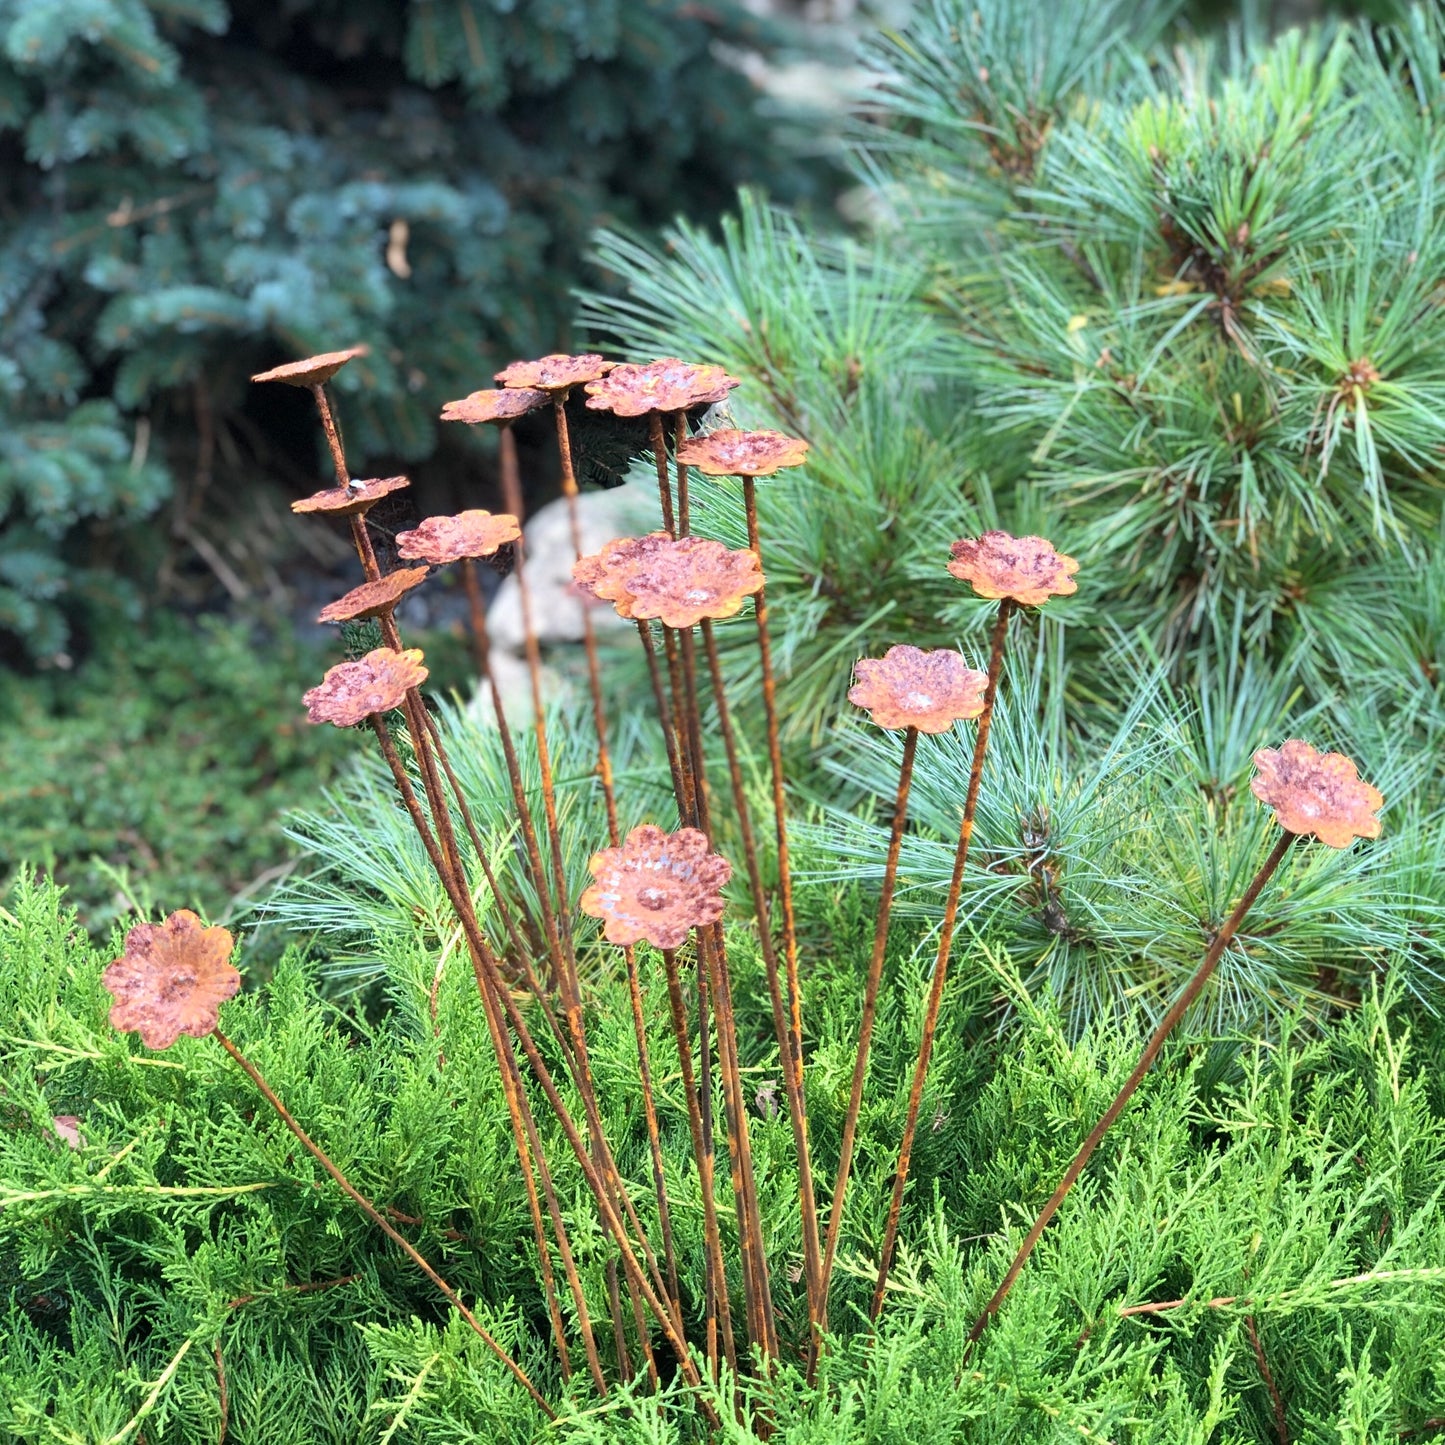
[[314, 369], [604, 574], [656, 886], [440, 540], [351, 500], [373, 599], [1319, 793], [910, 688], [728, 453], [498, 406], [1026, 569], [689, 579], [351, 691], [172, 979], [665, 385], [558, 372]]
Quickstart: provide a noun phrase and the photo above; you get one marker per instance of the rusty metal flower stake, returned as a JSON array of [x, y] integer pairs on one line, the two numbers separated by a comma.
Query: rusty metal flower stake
[[1019, 572], [171, 980], [554, 376], [1313, 794], [918, 691], [750, 455]]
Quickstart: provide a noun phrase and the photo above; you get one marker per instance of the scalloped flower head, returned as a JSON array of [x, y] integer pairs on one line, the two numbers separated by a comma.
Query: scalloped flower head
[[171, 980], [657, 886], [377, 598], [498, 406], [1027, 569], [353, 499], [1316, 793], [440, 540], [909, 687], [314, 369], [731, 453], [351, 691], [665, 385], [604, 574], [558, 372], [689, 579]]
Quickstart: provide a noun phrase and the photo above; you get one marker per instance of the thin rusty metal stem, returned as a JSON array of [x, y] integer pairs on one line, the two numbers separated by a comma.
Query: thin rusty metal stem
[[659, 453], [523, 1125], [654, 1134], [1150, 1052], [477, 610], [792, 1085], [870, 1008], [333, 434], [664, 716], [492, 987], [684, 511], [714, 956], [716, 1305], [775, 761], [380, 1220], [945, 946], [523, 953]]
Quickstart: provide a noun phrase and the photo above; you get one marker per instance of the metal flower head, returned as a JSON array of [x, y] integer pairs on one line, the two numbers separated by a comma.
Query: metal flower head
[[351, 691], [728, 453], [557, 372], [353, 499], [909, 687], [1026, 569], [1314, 792], [604, 574], [313, 369], [686, 580], [439, 540], [172, 979], [665, 385], [373, 599], [496, 406], [656, 886]]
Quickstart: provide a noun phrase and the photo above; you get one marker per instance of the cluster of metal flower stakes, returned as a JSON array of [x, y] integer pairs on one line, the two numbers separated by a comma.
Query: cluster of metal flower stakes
[[663, 888]]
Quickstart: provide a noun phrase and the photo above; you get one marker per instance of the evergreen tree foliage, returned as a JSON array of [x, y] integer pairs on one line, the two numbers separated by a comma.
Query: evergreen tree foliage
[[191, 190], [181, 1235], [1175, 307]]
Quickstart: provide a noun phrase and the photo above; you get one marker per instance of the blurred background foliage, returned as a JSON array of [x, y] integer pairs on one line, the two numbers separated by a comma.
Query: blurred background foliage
[[192, 190], [989, 328]]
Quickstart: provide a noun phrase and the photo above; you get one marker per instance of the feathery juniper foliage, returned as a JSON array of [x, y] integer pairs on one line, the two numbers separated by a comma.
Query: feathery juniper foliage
[[1301, 1181]]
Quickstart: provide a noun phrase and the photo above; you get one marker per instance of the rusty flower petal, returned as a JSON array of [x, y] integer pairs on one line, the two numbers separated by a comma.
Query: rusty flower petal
[[494, 405], [689, 579], [67, 1130], [360, 496], [728, 453], [910, 688], [313, 368], [439, 540], [373, 599], [351, 691], [172, 979], [1024, 568], [557, 372], [666, 385], [1319, 793], [604, 574], [656, 886]]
